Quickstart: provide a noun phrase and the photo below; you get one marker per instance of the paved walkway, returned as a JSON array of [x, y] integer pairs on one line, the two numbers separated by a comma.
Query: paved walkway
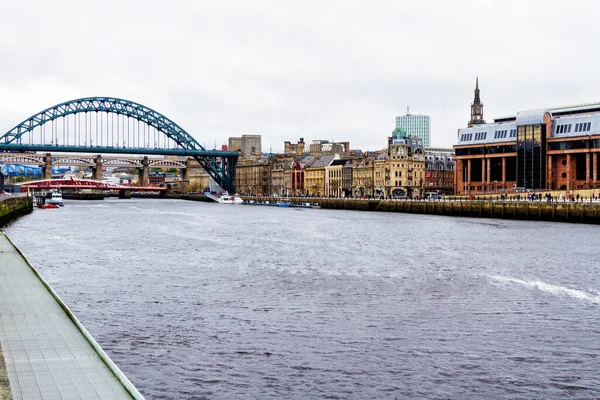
[[47, 355]]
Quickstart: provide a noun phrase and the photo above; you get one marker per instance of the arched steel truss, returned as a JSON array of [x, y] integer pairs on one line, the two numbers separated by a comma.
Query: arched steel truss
[[220, 165]]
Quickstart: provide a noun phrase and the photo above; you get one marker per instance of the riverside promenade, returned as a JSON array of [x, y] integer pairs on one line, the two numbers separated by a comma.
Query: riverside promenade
[[45, 352]]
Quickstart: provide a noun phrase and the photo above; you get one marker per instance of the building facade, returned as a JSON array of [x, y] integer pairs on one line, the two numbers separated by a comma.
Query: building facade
[[439, 171], [545, 149], [406, 165], [416, 126]]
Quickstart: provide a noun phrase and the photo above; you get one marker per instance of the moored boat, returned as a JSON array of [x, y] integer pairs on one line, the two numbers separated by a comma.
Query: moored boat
[[56, 198], [228, 199], [49, 205]]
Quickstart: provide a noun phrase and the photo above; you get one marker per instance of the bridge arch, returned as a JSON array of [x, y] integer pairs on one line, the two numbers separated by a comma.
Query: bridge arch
[[82, 130], [114, 105]]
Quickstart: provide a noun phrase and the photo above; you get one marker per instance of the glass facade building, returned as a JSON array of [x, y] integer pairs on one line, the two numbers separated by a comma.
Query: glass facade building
[[416, 126]]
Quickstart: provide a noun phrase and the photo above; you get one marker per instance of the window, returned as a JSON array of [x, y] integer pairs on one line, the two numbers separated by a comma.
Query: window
[[589, 126]]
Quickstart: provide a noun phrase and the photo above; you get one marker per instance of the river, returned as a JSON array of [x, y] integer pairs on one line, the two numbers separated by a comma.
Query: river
[[204, 301]]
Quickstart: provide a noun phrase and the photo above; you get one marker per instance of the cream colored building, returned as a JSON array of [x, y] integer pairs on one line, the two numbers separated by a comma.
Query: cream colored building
[[406, 166], [253, 176], [315, 176], [333, 179], [362, 178]]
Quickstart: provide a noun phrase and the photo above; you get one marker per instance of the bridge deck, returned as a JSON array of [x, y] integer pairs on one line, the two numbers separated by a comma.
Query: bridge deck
[[47, 352]]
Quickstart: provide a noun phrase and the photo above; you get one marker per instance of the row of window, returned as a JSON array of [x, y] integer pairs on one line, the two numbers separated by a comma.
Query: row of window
[[563, 128], [466, 137], [480, 135], [580, 127], [500, 134], [583, 127]]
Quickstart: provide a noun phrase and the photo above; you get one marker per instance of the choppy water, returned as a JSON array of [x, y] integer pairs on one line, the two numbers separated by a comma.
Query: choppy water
[[195, 300]]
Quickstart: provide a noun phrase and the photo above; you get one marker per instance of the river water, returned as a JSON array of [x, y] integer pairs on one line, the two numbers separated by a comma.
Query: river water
[[205, 301]]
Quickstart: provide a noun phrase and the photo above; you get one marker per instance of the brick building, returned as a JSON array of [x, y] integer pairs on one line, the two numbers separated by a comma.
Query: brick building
[[545, 149]]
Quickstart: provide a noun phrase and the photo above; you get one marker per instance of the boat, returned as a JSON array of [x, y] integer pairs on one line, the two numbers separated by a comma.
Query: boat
[[49, 205], [282, 204], [227, 199], [56, 198]]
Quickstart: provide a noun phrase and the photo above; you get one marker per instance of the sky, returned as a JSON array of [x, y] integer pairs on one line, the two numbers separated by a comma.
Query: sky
[[336, 70]]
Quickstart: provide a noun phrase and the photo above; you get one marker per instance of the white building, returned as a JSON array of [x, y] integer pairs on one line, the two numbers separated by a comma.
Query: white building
[[416, 126]]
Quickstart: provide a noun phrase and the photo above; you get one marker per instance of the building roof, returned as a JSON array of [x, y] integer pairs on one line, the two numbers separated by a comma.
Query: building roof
[[339, 162], [323, 161]]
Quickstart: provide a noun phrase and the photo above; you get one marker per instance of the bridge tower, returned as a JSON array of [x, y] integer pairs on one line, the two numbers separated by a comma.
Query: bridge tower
[[143, 173], [47, 168], [97, 170]]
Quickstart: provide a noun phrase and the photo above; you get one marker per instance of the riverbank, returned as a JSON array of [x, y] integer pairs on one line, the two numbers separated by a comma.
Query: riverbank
[[12, 207], [574, 212]]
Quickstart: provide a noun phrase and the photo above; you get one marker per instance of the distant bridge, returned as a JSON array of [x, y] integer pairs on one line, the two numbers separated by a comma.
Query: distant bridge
[[107, 125], [86, 184], [26, 170]]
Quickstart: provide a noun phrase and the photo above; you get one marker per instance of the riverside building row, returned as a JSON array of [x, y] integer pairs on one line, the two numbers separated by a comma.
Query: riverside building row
[[545, 149], [401, 169]]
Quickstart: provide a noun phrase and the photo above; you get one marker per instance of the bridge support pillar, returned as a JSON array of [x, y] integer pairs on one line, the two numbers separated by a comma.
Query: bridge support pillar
[[124, 194], [185, 175], [143, 173], [97, 170], [47, 168]]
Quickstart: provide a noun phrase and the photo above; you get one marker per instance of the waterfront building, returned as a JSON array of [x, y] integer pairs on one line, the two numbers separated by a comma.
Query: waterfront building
[[380, 175], [362, 177], [415, 126], [297, 180], [333, 178], [314, 176], [347, 178], [545, 149], [439, 171], [281, 178], [406, 165], [253, 175]]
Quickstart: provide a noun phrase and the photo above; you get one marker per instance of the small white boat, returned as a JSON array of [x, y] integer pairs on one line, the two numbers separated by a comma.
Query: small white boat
[[227, 199], [56, 198]]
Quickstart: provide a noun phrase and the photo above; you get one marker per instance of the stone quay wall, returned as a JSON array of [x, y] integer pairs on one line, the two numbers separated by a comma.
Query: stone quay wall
[[576, 212], [12, 207]]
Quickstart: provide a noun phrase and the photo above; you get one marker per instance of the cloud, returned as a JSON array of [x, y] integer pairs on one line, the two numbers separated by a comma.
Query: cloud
[[309, 69]]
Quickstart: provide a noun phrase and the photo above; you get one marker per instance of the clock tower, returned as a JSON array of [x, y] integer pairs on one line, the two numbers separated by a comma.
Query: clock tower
[[476, 108]]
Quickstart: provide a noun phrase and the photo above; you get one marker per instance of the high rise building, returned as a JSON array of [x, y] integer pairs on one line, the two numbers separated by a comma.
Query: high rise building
[[416, 126]]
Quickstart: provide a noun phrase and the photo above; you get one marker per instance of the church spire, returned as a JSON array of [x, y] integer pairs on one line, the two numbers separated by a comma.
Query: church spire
[[477, 100], [476, 108]]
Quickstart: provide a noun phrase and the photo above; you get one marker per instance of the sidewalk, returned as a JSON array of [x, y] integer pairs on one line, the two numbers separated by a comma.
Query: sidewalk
[[47, 352]]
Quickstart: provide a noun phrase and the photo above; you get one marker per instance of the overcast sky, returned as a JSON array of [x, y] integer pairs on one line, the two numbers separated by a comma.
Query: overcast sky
[[340, 70]]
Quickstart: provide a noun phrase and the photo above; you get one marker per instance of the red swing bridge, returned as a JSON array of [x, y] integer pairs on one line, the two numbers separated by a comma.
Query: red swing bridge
[[80, 184]]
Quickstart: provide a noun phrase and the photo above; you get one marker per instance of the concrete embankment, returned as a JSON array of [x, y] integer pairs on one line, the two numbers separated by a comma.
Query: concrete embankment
[[579, 212], [12, 207]]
